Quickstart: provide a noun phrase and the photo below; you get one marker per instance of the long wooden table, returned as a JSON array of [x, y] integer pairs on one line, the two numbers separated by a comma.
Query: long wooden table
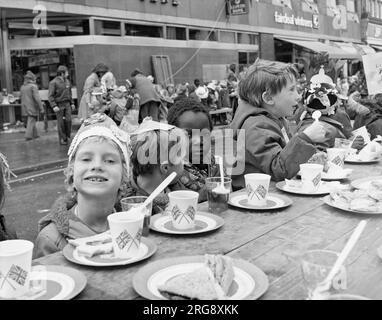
[[270, 240]]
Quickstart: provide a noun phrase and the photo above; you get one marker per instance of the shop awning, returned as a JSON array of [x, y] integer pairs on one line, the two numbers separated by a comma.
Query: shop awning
[[352, 51], [334, 52], [378, 48], [366, 49]]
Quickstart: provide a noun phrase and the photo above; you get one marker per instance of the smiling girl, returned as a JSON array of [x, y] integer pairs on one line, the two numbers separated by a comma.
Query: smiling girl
[[96, 178]]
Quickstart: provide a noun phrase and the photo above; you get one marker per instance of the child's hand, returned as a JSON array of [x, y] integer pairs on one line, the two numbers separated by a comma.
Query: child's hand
[[358, 143], [316, 132]]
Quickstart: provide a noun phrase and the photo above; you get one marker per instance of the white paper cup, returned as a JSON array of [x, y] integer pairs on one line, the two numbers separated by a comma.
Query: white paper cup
[[336, 157], [126, 232], [15, 267], [311, 176], [183, 207], [257, 185]]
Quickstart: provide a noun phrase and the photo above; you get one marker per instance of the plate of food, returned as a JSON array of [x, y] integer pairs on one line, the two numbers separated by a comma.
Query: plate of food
[[204, 222], [357, 201], [274, 201], [367, 183], [208, 277], [97, 251]]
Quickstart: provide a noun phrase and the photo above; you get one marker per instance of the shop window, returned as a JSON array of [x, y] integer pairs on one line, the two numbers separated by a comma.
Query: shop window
[[43, 63], [226, 36], [55, 28], [140, 30], [247, 38], [203, 35], [175, 33], [107, 28], [247, 58]]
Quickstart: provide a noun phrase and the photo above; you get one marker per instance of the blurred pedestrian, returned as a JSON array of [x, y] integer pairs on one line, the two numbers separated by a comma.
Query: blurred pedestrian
[[92, 81], [149, 98], [31, 104], [60, 99]]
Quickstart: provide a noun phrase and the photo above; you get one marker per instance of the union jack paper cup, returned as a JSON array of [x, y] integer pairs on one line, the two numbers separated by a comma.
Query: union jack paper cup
[[257, 185], [336, 157], [311, 176], [183, 207], [126, 232], [15, 268]]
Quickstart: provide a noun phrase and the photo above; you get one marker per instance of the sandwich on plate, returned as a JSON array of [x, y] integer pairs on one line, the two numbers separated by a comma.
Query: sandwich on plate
[[212, 281]]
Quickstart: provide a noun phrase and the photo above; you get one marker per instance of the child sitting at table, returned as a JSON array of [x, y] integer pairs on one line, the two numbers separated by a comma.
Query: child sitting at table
[[323, 96], [192, 116], [154, 158], [96, 180], [6, 231], [268, 94]]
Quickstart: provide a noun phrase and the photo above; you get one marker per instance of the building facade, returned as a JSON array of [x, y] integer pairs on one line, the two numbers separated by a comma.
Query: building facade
[[197, 38]]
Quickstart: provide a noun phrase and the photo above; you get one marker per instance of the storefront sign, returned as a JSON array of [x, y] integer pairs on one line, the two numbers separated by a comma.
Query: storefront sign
[[297, 21], [372, 64], [43, 59], [237, 7]]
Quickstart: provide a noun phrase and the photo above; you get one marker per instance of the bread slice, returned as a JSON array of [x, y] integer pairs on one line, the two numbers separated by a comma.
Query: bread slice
[[210, 282]]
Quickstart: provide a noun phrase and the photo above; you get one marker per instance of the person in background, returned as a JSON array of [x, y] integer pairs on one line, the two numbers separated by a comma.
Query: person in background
[[31, 104], [149, 98], [60, 99], [97, 176], [7, 232], [117, 107], [92, 81], [268, 95], [181, 92], [108, 82]]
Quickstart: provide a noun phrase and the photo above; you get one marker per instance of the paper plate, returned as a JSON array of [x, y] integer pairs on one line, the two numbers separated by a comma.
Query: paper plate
[[204, 222], [364, 183], [249, 282], [146, 250], [354, 161], [334, 177], [295, 190], [274, 201], [62, 283], [328, 200], [337, 176]]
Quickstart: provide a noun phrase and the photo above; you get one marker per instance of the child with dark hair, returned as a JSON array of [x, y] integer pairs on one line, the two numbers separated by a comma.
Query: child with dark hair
[[194, 118], [268, 95], [153, 160], [6, 231]]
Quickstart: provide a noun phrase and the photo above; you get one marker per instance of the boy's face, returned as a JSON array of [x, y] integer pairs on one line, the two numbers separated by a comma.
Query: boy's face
[[97, 169], [285, 102]]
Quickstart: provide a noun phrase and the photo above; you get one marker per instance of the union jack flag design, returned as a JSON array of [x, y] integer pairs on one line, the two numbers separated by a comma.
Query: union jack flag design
[[261, 191], [188, 215], [125, 238], [338, 161], [15, 273], [317, 180]]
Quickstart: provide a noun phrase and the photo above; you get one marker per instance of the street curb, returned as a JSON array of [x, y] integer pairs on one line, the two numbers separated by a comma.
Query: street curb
[[40, 166]]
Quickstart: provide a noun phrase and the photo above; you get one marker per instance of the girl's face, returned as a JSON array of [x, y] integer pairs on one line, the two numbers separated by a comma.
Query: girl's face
[[98, 169], [200, 137]]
